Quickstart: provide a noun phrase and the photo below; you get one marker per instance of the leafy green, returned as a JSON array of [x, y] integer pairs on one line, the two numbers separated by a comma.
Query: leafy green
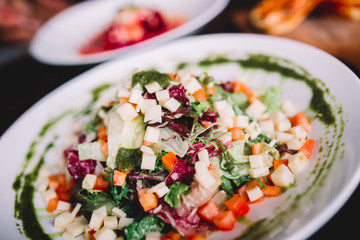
[[239, 100], [173, 197], [269, 154], [261, 138], [127, 158], [92, 200], [146, 77], [227, 186], [171, 141], [272, 98], [117, 193], [200, 107], [137, 230]]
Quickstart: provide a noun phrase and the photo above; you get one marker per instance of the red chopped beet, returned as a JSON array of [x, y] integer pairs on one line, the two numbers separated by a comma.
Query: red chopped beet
[[179, 93], [78, 169], [209, 116], [227, 86], [181, 172]]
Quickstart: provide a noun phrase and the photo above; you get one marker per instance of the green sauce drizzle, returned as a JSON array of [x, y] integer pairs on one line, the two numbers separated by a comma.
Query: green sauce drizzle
[[146, 77]]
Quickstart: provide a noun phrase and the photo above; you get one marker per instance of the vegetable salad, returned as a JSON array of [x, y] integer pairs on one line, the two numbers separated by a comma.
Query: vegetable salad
[[176, 156]]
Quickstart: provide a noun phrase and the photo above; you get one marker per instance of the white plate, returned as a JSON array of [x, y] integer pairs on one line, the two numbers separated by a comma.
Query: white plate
[[329, 180], [58, 41]]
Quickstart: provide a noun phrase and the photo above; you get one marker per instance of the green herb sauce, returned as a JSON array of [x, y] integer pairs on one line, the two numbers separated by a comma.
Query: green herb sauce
[[146, 77]]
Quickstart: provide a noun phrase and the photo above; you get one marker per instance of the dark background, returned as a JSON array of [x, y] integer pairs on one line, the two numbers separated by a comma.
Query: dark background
[[24, 81]]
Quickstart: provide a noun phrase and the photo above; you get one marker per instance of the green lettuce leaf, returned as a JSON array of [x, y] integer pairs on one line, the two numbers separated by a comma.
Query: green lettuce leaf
[[137, 230], [173, 197]]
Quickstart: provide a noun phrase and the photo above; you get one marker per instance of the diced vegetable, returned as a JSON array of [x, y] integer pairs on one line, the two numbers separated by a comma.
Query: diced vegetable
[[195, 237], [200, 95], [208, 211], [52, 204], [147, 199], [300, 119], [307, 148], [278, 162], [169, 160], [256, 148], [236, 133], [119, 178], [225, 221], [238, 206], [271, 191]]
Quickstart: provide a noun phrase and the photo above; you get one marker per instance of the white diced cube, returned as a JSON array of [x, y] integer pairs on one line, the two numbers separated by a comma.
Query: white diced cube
[[49, 194], [118, 212], [105, 234], [184, 77], [256, 109], [285, 155], [227, 112], [159, 189], [282, 176], [203, 176], [153, 114], [298, 132], [76, 209], [172, 104], [82, 220], [283, 125], [298, 162], [62, 220], [74, 229], [153, 236], [295, 144], [254, 193], [203, 156], [139, 105], [96, 221], [89, 181], [253, 130], [278, 116], [124, 222], [147, 150], [122, 92], [148, 161], [101, 210], [63, 206], [135, 96], [259, 172], [226, 122], [288, 108], [138, 87], [153, 87], [146, 104], [256, 161], [127, 112], [152, 134], [241, 121], [193, 85], [267, 127], [44, 173], [220, 105], [111, 222], [162, 96], [283, 137]]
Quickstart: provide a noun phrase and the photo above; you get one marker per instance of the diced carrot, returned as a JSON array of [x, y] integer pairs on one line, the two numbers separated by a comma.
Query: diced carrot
[[211, 167], [238, 87], [242, 192], [102, 134], [146, 143], [171, 236], [57, 181], [206, 123], [271, 191], [250, 94], [104, 148], [307, 148], [123, 100], [148, 200], [52, 204], [236, 133], [238, 206], [255, 183], [200, 95], [169, 160], [211, 90], [101, 183], [225, 221], [64, 196], [195, 237], [208, 211], [269, 180], [172, 75], [256, 148], [119, 178], [278, 162], [300, 119], [133, 105]]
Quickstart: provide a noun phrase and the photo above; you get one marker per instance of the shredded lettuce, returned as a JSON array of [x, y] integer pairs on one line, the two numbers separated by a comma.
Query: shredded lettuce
[[93, 200], [272, 98], [137, 230], [171, 141], [91, 151], [173, 197]]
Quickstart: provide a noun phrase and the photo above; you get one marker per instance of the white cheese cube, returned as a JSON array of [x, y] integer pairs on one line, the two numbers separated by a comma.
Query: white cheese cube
[[277, 117], [184, 77], [153, 236], [152, 134], [241, 121], [295, 144], [298, 132], [288, 108], [256, 109], [138, 87], [124, 222], [159, 189], [220, 105], [203, 176], [147, 150], [253, 130], [146, 104], [153, 87], [101, 210], [172, 104], [267, 127], [135, 96], [127, 112], [96, 221], [148, 161], [118, 212], [283, 137], [76, 209], [285, 155], [74, 229], [63, 206], [283, 125], [111, 222], [122, 92], [89, 182], [203, 156], [49, 194], [282, 176], [62, 220], [259, 172], [298, 162], [256, 161], [226, 122], [82, 220], [44, 173], [254, 193], [139, 105], [105, 234], [162, 96], [153, 114], [227, 112], [193, 85]]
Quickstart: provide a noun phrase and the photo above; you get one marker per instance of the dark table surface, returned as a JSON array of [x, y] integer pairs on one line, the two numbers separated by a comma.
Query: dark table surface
[[25, 81]]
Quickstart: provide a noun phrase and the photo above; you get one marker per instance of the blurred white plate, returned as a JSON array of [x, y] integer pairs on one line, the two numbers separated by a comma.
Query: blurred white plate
[[325, 185], [58, 41]]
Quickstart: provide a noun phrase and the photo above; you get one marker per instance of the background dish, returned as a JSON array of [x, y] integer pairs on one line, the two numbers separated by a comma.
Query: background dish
[[340, 181], [70, 29]]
